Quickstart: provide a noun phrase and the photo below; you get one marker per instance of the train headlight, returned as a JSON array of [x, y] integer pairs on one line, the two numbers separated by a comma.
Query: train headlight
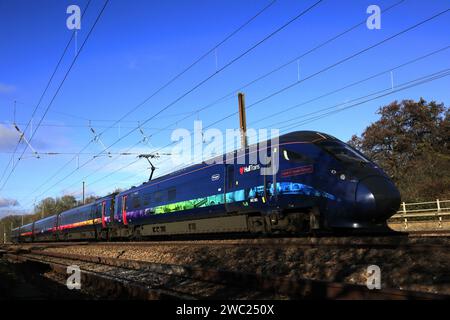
[[342, 176]]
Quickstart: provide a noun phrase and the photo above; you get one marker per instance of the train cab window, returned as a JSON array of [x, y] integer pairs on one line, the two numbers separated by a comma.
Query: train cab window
[[343, 152], [293, 156], [171, 194]]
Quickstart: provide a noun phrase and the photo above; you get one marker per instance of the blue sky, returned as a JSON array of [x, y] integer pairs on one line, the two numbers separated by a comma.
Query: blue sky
[[137, 46]]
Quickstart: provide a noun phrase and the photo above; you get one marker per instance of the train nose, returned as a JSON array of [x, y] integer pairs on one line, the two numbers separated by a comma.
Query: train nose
[[377, 198]]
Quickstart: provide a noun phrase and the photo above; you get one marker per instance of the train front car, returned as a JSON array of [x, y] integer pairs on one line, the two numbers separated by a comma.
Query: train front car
[[346, 188]]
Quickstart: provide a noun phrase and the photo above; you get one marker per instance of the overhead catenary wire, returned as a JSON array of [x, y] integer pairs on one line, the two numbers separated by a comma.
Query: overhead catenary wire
[[340, 62], [56, 153], [101, 167], [59, 88], [355, 83], [333, 65], [62, 125], [69, 115], [378, 94], [317, 98], [445, 11], [316, 73], [189, 67], [42, 95], [231, 95], [165, 85], [388, 91], [219, 70], [228, 64]]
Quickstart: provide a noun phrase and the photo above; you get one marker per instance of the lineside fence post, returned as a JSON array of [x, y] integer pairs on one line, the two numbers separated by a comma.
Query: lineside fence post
[[404, 215], [438, 204]]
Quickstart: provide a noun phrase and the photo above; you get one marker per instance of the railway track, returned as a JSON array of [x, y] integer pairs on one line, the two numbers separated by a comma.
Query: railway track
[[429, 233], [125, 278], [396, 242]]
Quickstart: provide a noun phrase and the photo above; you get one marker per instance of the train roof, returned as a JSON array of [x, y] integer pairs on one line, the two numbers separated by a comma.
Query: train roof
[[78, 208], [24, 226], [46, 218], [110, 196], [305, 136], [67, 211]]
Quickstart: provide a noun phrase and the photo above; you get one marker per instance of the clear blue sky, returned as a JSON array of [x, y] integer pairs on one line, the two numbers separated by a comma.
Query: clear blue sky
[[139, 45]]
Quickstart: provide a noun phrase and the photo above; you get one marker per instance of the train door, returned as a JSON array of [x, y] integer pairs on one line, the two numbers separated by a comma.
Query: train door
[[234, 194], [228, 184], [94, 214], [274, 166], [268, 182], [100, 220], [103, 214], [111, 205], [124, 210]]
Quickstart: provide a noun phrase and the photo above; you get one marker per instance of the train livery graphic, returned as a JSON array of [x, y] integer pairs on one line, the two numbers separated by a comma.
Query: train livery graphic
[[321, 184]]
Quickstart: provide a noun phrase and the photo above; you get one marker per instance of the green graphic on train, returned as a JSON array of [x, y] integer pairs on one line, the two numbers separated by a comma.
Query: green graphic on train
[[212, 200], [243, 195]]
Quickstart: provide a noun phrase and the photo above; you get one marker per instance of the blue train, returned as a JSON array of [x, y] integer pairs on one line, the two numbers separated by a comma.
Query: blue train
[[320, 183]]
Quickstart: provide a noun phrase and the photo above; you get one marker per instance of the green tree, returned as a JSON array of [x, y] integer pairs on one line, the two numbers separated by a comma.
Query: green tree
[[89, 199], [51, 206], [410, 142]]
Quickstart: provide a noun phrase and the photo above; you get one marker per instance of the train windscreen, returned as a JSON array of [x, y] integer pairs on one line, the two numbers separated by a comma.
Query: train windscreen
[[343, 152], [293, 156]]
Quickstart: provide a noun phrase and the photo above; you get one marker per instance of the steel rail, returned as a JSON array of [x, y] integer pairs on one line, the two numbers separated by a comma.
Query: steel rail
[[293, 287]]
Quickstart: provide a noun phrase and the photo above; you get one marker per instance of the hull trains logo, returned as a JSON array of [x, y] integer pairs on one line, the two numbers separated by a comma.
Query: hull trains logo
[[249, 168]]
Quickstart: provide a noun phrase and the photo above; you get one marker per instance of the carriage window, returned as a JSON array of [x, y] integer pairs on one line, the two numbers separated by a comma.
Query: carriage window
[[230, 176], [99, 211], [171, 194], [135, 201], [158, 196], [146, 197], [293, 156], [343, 152]]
